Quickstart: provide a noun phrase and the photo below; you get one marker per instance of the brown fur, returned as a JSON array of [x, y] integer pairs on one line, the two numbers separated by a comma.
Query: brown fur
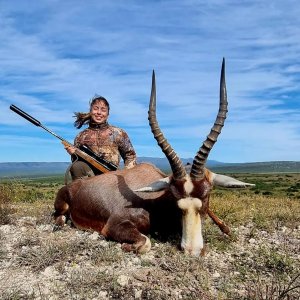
[[109, 205]]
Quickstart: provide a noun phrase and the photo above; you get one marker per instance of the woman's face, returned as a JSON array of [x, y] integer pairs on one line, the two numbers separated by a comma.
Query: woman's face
[[99, 112]]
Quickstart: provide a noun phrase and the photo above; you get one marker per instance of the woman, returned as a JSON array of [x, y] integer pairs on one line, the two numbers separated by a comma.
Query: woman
[[107, 141]]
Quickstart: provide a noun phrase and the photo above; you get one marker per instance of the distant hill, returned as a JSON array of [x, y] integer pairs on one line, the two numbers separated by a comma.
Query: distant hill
[[24, 169], [21, 169], [163, 163], [259, 167]]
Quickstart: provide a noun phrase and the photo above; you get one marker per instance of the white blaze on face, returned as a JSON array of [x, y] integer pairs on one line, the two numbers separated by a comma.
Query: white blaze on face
[[192, 239]]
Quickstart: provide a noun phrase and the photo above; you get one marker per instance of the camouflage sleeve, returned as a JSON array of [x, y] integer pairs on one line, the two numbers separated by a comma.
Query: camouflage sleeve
[[77, 139], [126, 150]]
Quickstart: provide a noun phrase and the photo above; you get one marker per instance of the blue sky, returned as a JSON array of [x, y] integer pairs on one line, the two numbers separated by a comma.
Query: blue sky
[[55, 55]]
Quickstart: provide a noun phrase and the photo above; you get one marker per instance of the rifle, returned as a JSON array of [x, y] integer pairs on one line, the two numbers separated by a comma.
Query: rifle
[[84, 152]]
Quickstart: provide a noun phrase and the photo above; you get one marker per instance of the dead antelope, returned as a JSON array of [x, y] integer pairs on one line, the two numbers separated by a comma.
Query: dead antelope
[[126, 205]]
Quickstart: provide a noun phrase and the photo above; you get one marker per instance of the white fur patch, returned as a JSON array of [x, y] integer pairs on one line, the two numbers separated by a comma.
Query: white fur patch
[[192, 240], [188, 186], [189, 203]]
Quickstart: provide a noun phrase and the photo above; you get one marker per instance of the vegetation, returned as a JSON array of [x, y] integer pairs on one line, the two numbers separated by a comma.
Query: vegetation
[[279, 185], [259, 260]]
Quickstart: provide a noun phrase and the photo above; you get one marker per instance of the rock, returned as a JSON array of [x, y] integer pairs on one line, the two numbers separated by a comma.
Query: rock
[[104, 243], [50, 272], [141, 274], [138, 294], [252, 241], [123, 280], [102, 296], [47, 227], [27, 221], [94, 236], [136, 261], [6, 229]]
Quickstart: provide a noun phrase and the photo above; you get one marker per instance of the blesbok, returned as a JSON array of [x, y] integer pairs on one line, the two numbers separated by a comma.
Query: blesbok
[[126, 205]]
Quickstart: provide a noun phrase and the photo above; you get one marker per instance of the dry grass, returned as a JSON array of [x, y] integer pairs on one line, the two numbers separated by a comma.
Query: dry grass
[[266, 213], [274, 290], [7, 196], [90, 268]]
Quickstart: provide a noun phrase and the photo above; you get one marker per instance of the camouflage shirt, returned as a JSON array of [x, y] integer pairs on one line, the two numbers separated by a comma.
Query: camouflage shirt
[[109, 142]]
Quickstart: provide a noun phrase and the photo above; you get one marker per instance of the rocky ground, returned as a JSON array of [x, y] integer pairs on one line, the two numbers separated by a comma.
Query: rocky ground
[[36, 263]]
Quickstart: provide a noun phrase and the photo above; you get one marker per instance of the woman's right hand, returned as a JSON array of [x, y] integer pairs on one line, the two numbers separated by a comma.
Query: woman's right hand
[[70, 149]]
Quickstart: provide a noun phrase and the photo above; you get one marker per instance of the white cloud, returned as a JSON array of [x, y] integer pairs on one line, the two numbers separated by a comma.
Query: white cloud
[[55, 55]]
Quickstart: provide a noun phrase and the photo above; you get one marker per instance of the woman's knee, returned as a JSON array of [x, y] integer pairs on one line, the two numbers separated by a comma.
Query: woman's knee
[[80, 169]]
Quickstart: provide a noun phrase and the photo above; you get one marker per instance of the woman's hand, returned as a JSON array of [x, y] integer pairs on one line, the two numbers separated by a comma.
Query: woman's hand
[[70, 149]]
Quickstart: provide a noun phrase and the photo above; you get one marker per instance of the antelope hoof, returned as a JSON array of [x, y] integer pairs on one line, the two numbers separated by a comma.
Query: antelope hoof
[[145, 247], [225, 229]]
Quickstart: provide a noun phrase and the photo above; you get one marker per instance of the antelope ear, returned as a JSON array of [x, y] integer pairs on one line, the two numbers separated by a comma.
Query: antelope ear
[[155, 186], [229, 182]]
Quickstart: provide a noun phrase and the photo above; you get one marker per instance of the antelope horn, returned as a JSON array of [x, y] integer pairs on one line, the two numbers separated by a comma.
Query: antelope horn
[[197, 170], [175, 162]]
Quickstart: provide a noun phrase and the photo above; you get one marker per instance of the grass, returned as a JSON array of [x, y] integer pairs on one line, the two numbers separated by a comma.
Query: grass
[[7, 196], [17, 294], [265, 212], [3, 252], [39, 255], [264, 270], [275, 290], [286, 185]]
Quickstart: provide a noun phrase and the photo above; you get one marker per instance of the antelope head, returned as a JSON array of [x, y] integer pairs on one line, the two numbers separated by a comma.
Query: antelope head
[[191, 188]]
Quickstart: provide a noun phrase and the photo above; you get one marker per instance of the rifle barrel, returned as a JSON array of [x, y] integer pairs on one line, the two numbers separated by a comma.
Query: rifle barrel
[[25, 115], [90, 157], [32, 120]]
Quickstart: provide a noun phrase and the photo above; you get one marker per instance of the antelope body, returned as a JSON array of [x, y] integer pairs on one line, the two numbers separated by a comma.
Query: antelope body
[[126, 205]]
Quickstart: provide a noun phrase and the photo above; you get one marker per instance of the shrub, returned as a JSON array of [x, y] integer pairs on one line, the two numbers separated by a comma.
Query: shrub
[[6, 196]]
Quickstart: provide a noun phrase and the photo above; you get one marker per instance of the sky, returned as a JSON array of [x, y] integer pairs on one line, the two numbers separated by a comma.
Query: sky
[[55, 55]]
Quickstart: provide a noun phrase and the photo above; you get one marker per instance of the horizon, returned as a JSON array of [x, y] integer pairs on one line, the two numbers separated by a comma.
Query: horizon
[[56, 55], [164, 158]]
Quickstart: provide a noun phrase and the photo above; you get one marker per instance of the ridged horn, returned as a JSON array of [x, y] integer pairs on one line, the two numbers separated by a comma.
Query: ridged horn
[[174, 161], [197, 170]]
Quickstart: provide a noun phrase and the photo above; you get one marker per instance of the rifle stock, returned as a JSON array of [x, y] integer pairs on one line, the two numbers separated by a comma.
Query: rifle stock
[[88, 158], [99, 163]]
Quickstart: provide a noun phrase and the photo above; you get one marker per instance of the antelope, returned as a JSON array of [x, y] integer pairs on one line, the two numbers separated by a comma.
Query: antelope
[[127, 205]]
